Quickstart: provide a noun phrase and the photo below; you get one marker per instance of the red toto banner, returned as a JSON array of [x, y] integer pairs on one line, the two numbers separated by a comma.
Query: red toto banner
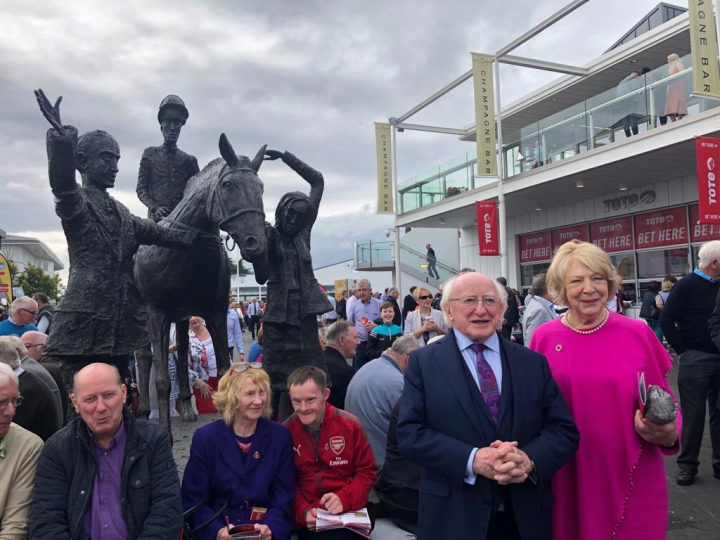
[[708, 162], [566, 234], [535, 247], [487, 227], [612, 235], [661, 228], [701, 232]]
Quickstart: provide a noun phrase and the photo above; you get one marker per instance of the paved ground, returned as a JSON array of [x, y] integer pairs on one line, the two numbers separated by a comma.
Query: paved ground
[[694, 510]]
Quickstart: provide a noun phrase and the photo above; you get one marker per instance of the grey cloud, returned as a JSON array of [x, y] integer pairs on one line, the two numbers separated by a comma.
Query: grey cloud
[[309, 77]]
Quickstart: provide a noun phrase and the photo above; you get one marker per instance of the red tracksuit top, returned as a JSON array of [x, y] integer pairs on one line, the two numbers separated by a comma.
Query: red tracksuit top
[[343, 463]]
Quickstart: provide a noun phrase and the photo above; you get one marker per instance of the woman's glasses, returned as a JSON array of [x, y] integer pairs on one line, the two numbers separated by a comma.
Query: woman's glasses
[[425, 297]]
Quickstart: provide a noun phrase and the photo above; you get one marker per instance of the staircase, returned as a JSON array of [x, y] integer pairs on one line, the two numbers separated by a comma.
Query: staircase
[[381, 256]]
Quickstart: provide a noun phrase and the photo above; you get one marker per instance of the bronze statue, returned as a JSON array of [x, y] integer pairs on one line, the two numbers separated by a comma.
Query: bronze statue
[[226, 195], [101, 317], [165, 170], [290, 330]]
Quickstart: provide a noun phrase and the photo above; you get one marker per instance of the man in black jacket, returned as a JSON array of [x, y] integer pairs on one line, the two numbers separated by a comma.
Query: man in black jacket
[[106, 472], [409, 304], [342, 341], [692, 328], [512, 313]]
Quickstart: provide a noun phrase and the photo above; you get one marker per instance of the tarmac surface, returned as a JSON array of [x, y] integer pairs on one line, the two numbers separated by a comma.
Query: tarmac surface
[[694, 510]]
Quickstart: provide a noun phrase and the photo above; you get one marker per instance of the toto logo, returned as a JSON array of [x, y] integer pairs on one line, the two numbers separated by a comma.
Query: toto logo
[[630, 201]]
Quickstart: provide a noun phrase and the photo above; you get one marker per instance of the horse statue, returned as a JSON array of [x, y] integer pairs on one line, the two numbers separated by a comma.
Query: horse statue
[[174, 284]]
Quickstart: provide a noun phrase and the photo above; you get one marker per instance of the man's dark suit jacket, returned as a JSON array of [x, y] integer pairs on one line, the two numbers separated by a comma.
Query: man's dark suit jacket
[[340, 375], [443, 416]]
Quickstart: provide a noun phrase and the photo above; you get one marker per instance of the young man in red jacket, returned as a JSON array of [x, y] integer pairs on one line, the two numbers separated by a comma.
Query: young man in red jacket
[[334, 464]]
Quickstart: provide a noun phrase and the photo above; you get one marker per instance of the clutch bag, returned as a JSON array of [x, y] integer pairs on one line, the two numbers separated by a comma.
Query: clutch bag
[[656, 404]]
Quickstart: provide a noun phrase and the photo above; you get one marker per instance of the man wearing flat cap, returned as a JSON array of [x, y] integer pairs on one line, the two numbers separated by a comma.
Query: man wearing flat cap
[[165, 170]]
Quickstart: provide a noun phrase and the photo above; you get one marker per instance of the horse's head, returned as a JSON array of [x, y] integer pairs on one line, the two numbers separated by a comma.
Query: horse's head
[[236, 204]]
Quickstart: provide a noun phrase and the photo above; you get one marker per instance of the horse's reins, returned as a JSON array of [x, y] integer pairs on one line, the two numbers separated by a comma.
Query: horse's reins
[[223, 210]]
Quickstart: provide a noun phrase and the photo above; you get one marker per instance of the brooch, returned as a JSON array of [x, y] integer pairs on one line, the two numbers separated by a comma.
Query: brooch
[[256, 455], [558, 347]]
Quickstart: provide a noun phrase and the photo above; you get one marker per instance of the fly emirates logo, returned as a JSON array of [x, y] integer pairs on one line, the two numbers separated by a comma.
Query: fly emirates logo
[[336, 462]]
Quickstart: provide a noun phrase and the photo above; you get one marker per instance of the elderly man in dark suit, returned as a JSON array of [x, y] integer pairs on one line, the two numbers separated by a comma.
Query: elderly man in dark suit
[[485, 420]]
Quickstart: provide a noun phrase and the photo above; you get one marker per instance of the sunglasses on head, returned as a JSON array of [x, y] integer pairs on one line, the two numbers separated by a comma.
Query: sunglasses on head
[[425, 297], [244, 366]]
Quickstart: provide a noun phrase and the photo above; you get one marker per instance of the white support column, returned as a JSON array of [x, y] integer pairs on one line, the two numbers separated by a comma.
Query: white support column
[[502, 230], [396, 198]]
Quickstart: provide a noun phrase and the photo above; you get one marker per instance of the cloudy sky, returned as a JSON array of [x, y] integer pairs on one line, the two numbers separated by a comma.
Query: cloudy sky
[[306, 76]]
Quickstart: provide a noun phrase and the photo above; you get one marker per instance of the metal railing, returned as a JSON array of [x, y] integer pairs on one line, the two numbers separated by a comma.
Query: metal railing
[[372, 254]]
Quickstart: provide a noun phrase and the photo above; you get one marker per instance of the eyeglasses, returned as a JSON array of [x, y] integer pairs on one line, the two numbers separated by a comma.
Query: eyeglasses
[[244, 366], [425, 297], [28, 310], [471, 301], [28, 346], [15, 402]]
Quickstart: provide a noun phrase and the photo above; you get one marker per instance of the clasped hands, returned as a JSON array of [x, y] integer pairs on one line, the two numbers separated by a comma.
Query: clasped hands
[[503, 462]]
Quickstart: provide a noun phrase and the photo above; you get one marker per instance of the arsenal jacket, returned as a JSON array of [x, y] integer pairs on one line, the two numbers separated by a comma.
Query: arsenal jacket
[[342, 463]]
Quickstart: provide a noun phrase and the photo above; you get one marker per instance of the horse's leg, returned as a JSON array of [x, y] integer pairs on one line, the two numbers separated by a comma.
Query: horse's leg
[[143, 357], [159, 327], [182, 341], [217, 326]]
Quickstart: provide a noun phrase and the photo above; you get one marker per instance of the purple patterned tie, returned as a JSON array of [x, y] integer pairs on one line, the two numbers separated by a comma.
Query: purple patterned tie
[[488, 382]]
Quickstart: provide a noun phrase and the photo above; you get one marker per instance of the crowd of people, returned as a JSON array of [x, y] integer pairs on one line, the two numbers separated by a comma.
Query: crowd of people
[[461, 426]]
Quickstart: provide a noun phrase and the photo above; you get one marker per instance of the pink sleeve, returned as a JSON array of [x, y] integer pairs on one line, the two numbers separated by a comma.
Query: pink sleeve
[[659, 368]]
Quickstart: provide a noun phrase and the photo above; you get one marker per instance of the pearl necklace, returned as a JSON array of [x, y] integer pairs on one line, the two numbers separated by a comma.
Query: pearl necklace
[[586, 332]]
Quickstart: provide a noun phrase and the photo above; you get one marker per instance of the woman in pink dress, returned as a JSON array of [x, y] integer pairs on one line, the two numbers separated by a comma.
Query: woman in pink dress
[[614, 487]]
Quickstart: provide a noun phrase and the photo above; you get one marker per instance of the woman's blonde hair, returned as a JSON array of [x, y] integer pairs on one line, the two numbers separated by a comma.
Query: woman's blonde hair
[[673, 57], [588, 254], [226, 398], [418, 292]]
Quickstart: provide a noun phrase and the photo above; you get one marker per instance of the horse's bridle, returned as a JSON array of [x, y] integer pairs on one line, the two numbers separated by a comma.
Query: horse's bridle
[[223, 210]]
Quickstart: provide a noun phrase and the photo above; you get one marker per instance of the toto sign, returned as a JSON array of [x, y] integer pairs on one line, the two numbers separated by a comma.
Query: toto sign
[[629, 201], [708, 155], [487, 227]]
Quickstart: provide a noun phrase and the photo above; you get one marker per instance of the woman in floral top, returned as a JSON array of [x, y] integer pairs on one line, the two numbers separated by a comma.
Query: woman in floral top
[[203, 366]]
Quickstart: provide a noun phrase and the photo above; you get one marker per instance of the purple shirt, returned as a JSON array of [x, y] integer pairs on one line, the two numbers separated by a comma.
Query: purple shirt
[[104, 519], [360, 309]]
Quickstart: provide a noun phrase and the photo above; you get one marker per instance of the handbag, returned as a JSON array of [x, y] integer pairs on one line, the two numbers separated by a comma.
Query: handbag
[[656, 404], [188, 531]]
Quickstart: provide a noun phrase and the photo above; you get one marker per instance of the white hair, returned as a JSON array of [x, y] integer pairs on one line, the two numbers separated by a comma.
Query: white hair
[[447, 293], [8, 353], [7, 375], [363, 281], [19, 345], [20, 303], [709, 251]]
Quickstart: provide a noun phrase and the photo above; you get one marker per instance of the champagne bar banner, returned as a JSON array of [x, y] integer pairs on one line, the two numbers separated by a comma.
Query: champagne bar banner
[[484, 115], [384, 169]]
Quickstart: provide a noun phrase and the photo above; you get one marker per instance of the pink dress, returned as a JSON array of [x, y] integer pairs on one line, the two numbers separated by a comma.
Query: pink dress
[[614, 487]]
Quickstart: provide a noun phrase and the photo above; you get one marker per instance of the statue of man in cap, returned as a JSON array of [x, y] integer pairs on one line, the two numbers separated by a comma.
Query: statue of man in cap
[[101, 317], [165, 170]]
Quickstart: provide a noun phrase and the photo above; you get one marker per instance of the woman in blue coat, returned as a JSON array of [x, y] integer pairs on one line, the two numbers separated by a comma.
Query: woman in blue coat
[[243, 458]]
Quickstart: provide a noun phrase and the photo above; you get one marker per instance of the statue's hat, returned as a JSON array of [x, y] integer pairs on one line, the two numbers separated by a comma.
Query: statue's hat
[[174, 102]]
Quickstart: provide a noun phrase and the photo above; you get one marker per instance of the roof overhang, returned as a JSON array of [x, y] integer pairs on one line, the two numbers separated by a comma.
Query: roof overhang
[[36, 247]]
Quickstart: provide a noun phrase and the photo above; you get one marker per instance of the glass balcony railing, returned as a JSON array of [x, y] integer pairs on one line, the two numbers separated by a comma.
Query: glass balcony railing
[[382, 255], [636, 105]]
